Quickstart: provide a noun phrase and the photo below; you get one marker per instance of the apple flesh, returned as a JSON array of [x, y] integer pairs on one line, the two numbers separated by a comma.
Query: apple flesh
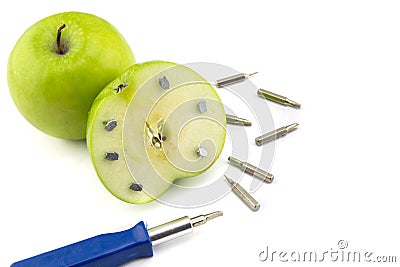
[[157, 122], [55, 72]]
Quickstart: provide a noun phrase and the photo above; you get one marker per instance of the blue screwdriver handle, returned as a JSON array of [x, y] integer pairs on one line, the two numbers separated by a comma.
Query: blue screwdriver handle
[[108, 250]]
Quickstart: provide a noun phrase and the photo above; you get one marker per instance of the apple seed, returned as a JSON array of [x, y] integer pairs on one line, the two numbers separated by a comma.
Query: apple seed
[[120, 87]]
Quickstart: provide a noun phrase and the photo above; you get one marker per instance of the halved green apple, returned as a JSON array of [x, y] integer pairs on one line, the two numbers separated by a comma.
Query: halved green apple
[[157, 122]]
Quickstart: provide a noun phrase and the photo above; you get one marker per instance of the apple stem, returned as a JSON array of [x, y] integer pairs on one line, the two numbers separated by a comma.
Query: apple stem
[[59, 48]]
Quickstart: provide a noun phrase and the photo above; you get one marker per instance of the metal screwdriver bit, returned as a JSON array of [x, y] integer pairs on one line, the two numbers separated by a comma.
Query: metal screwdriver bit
[[252, 170], [237, 78], [202, 219], [275, 134], [232, 119], [179, 227], [283, 100], [243, 195]]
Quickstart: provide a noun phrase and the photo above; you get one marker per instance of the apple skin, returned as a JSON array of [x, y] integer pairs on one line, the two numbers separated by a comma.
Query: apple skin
[[54, 92]]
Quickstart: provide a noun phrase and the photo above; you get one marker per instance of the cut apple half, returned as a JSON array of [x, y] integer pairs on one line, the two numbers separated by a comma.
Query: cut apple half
[[157, 122]]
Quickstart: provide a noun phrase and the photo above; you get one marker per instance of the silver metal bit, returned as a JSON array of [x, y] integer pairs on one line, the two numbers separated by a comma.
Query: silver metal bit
[[163, 82], [243, 195], [111, 156], [202, 106], [275, 134], [136, 187], [283, 100], [252, 170], [110, 125], [179, 227], [202, 152], [232, 119], [237, 78], [202, 219]]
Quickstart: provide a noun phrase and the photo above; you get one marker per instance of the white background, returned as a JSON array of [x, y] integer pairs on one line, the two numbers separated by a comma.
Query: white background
[[336, 177]]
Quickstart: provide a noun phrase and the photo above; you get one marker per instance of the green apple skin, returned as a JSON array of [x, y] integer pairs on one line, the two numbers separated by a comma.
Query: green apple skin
[[115, 175], [54, 91]]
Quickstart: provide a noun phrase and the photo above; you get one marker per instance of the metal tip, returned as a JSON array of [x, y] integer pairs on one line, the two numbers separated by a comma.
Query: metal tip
[[232, 119], [229, 180], [202, 219], [292, 127], [251, 74], [246, 123], [213, 215], [293, 104]]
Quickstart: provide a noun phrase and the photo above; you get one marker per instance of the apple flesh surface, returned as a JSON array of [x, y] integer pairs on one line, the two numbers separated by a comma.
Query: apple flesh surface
[[54, 84], [141, 137]]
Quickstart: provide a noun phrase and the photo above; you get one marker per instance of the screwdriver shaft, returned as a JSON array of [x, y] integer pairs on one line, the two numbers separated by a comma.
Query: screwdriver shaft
[[179, 227], [202, 219]]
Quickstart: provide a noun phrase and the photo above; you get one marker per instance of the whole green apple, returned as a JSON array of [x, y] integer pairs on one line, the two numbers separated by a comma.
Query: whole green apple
[[58, 67]]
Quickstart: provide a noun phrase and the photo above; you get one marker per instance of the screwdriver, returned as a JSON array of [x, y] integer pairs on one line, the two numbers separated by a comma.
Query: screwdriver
[[117, 248]]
